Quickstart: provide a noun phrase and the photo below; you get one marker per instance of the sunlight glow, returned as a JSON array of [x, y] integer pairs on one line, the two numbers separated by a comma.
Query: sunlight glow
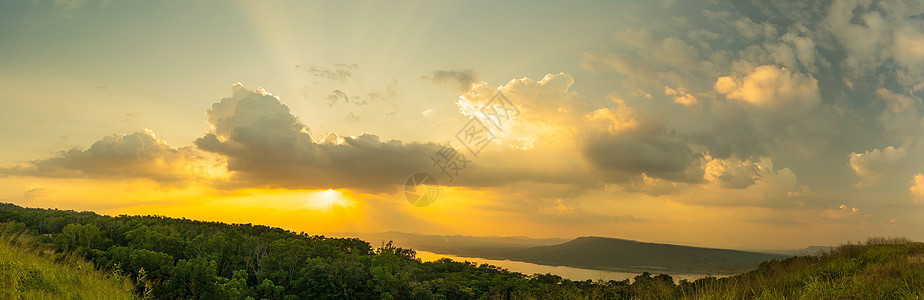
[[332, 197]]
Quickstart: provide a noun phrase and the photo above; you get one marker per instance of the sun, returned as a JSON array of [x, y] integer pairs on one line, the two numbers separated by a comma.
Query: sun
[[332, 197]]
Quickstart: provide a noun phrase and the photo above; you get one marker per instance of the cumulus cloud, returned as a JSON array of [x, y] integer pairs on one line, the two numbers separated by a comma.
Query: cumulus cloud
[[917, 188], [613, 142], [617, 144], [547, 109], [681, 97], [732, 182], [266, 145], [872, 165], [652, 150], [880, 33], [623, 144], [733, 173], [772, 87], [137, 155], [796, 50], [549, 114], [767, 109]]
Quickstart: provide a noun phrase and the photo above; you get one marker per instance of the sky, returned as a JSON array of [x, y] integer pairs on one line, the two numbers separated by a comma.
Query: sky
[[711, 123]]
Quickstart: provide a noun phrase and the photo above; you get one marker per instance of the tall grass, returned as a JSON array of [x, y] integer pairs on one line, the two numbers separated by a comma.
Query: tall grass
[[29, 270], [881, 268]]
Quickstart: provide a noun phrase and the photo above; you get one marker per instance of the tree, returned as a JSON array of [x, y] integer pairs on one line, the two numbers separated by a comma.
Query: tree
[[194, 278], [158, 265], [76, 236]]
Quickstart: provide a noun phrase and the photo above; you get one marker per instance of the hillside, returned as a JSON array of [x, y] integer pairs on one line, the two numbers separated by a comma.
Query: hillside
[[879, 269], [25, 273], [633, 256]]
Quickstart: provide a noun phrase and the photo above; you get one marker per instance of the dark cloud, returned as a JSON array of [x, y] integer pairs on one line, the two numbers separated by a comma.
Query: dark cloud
[[460, 80], [625, 155], [266, 145], [137, 155]]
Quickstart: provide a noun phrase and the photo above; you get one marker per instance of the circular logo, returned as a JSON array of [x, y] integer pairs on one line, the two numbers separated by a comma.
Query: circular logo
[[421, 189]]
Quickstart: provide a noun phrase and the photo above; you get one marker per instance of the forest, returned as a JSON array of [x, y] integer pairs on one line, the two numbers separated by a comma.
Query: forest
[[169, 258], [172, 258]]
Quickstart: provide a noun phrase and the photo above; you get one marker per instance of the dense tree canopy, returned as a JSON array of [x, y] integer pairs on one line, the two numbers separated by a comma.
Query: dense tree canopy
[[184, 259]]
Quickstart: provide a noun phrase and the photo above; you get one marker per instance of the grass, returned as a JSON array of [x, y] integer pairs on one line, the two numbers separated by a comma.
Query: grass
[[882, 268], [30, 271]]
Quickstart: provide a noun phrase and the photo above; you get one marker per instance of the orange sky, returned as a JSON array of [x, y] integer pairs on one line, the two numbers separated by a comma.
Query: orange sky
[[712, 124]]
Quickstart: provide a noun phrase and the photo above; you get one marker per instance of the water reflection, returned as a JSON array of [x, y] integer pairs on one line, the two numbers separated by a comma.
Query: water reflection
[[575, 274]]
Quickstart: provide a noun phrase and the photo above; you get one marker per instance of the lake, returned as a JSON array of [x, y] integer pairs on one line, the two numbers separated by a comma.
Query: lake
[[576, 274]]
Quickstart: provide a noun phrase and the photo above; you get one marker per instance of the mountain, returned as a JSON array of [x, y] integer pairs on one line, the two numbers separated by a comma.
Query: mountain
[[598, 253], [490, 247], [632, 256]]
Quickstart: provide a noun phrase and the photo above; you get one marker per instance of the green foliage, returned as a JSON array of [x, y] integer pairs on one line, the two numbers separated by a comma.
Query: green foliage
[[881, 269], [194, 278], [77, 236], [184, 259]]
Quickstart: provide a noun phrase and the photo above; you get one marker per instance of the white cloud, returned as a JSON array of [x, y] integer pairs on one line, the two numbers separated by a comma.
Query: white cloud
[[733, 173], [872, 165], [771, 87], [917, 188], [681, 96]]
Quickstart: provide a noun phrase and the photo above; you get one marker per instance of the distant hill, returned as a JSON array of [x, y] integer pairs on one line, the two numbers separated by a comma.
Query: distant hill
[[810, 250], [626, 255], [490, 247], [599, 253], [815, 250]]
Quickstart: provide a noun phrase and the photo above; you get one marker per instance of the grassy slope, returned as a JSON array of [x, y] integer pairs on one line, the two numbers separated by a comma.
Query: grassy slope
[[26, 274], [879, 269]]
